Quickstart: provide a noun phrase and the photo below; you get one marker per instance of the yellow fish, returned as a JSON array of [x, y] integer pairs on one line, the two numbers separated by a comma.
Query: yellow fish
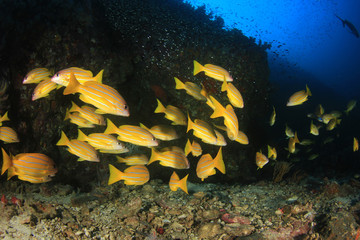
[[63, 77], [103, 97], [88, 113], [261, 160], [319, 110], [43, 89], [212, 71], [230, 118], [4, 118], [292, 142], [350, 106], [132, 134], [306, 142], [105, 143], [241, 138], [172, 113], [134, 175], [31, 167], [83, 150], [272, 117], [206, 165], [202, 130], [174, 157], [233, 94], [299, 97], [191, 88], [77, 120], [37, 75], [220, 139], [194, 148], [332, 124], [272, 153], [136, 159], [8, 135], [288, 131], [355, 145], [314, 130], [176, 183], [162, 132]]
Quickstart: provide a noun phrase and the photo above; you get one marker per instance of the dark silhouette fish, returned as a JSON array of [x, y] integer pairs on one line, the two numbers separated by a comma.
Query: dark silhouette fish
[[350, 26]]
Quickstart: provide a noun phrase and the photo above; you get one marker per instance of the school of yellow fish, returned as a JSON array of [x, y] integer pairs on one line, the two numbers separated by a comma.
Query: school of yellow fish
[[38, 168]]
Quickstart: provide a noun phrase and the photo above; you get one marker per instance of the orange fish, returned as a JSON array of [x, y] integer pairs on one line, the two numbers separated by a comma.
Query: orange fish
[[314, 130], [176, 183], [356, 145], [88, 113], [43, 89], [299, 97], [233, 94], [170, 157], [162, 132], [136, 159], [31, 167], [37, 75], [206, 165], [202, 130], [261, 160], [8, 135], [191, 88], [292, 142], [63, 77], [83, 150], [172, 113], [272, 153], [105, 143], [241, 138], [212, 71], [194, 148], [103, 97], [77, 120], [132, 134], [134, 175]]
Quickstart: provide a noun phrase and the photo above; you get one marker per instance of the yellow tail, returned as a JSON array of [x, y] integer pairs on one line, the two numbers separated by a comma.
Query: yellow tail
[[160, 108], [111, 128], [308, 91], [121, 159], [219, 109], [224, 86], [73, 85], [11, 173], [74, 107], [197, 67], [67, 114], [144, 127], [64, 141], [99, 76], [218, 162], [154, 156], [190, 124], [183, 185], [188, 148], [7, 161], [4, 118], [115, 174], [179, 84], [81, 136]]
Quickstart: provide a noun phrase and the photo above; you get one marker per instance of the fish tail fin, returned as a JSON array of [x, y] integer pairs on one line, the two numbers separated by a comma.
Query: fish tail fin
[[308, 91], [111, 128], [224, 86], [188, 148], [179, 84], [115, 174], [296, 139], [269, 151], [190, 124], [153, 156], [99, 76], [11, 172], [64, 141], [74, 107], [197, 67], [203, 91], [219, 109], [7, 163], [219, 162], [5, 117], [160, 108], [73, 85], [183, 185], [144, 127], [67, 114], [81, 136], [120, 159]]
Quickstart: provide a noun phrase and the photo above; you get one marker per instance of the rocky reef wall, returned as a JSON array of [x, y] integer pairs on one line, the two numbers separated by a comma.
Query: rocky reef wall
[[142, 46]]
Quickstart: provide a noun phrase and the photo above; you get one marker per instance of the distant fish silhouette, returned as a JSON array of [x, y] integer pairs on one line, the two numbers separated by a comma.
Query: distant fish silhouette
[[350, 26]]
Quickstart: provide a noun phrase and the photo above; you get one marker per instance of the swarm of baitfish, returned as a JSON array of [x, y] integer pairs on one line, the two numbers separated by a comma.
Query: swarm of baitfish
[[107, 100]]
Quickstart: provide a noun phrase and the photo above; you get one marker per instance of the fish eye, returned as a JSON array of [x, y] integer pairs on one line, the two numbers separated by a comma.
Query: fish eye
[[125, 107], [57, 74]]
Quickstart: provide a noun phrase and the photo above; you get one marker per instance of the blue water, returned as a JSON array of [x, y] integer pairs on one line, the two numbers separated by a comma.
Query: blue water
[[309, 44]]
